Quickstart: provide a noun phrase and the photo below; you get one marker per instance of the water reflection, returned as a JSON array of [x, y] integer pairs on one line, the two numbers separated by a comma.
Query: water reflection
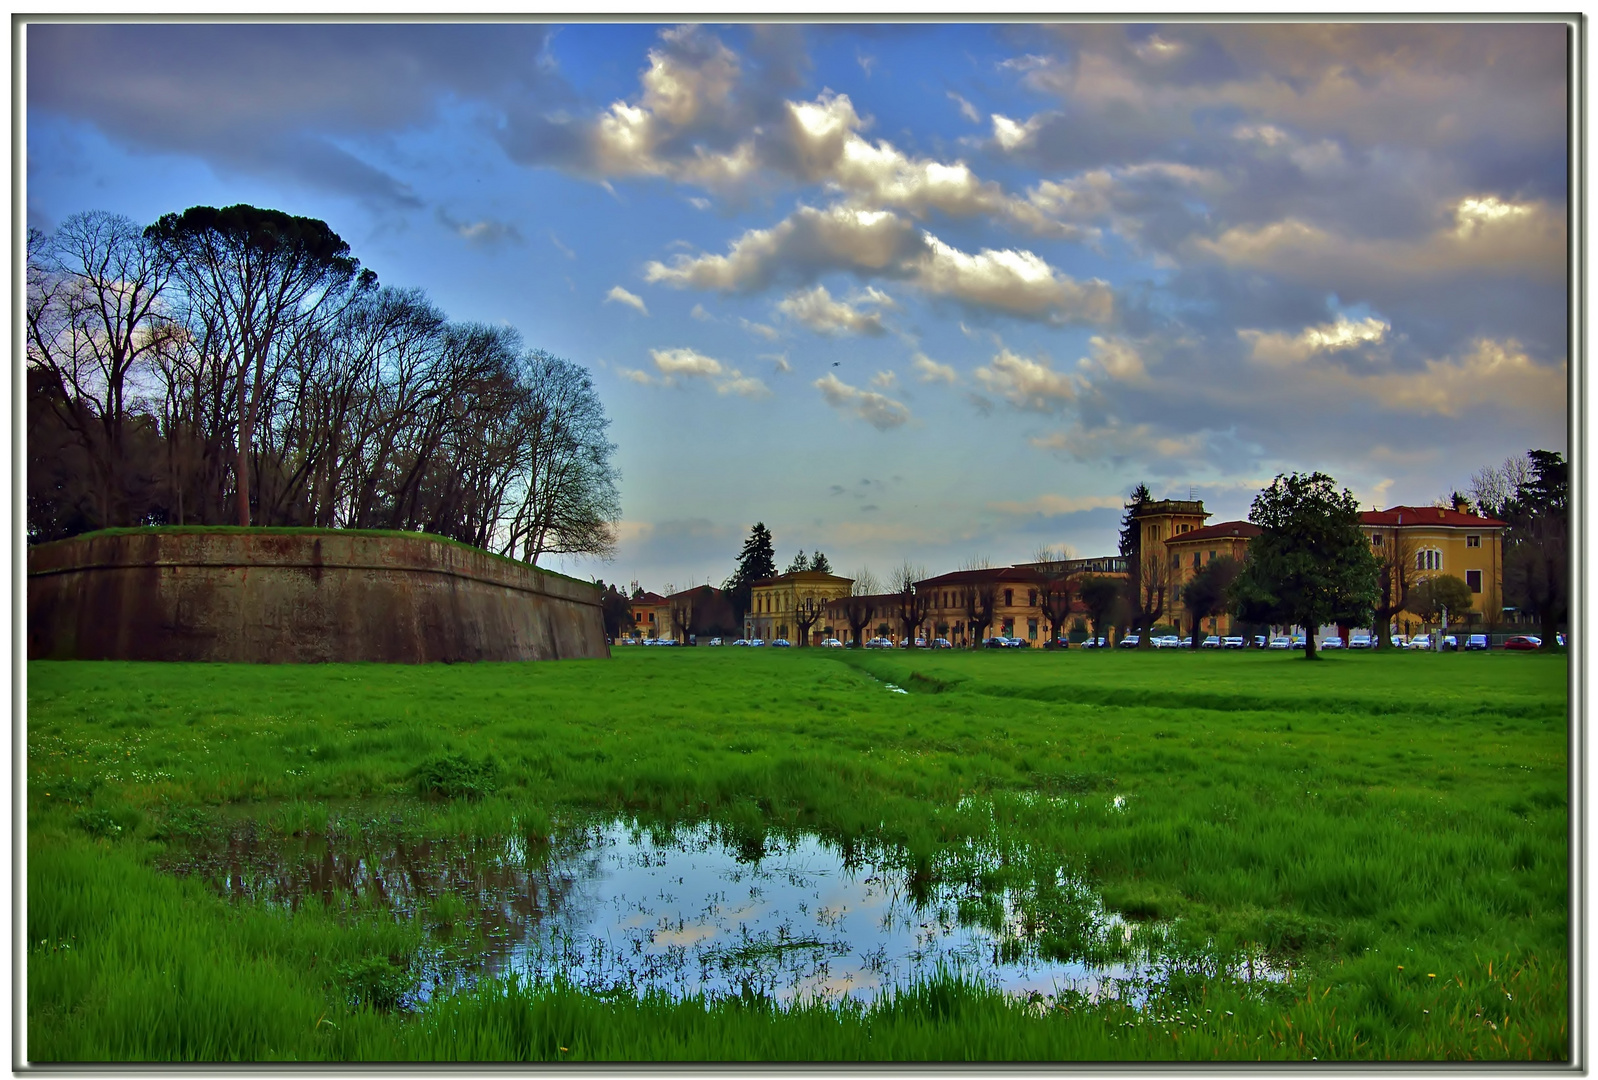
[[697, 910]]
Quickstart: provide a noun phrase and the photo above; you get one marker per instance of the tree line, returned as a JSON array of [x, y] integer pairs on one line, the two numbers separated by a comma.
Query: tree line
[[239, 366]]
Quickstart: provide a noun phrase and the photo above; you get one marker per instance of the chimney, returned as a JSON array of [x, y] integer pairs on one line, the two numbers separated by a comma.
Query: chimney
[[1461, 504]]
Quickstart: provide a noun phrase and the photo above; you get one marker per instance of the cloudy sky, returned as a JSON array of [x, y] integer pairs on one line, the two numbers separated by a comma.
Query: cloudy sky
[[908, 291]]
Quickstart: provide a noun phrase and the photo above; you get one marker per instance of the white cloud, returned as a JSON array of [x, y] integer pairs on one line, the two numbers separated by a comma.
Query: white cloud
[[1053, 505], [1488, 234], [811, 241], [1027, 384], [820, 312], [620, 295], [1496, 374], [967, 110], [686, 362], [885, 380], [1340, 335], [678, 364], [1115, 440], [759, 329], [1013, 136], [929, 370], [881, 412], [1116, 358]]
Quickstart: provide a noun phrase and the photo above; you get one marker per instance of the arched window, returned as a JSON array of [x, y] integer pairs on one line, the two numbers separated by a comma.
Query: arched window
[[1428, 559]]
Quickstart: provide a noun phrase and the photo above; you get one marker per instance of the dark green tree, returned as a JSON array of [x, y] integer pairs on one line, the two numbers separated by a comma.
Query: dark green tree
[[1311, 563], [1138, 592], [263, 281], [800, 562], [1205, 593], [616, 612], [757, 560], [1101, 596], [819, 561], [1435, 595], [1537, 543]]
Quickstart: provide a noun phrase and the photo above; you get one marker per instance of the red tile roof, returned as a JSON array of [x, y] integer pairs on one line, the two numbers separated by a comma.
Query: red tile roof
[[994, 574], [1224, 530], [1427, 515], [649, 599]]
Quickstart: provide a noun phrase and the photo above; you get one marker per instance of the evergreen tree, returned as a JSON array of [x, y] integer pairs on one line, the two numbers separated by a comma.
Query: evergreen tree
[[819, 562], [1311, 563], [757, 560], [1537, 543], [1132, 549], [800, 562]]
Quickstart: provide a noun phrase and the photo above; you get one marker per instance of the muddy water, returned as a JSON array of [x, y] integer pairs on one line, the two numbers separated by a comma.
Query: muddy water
[[694, 911]]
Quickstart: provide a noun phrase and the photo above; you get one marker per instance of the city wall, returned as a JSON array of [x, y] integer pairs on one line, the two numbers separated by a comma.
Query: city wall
[[304, 596]]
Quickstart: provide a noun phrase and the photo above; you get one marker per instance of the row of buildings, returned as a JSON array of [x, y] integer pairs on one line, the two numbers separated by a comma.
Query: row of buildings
[[967, 606]]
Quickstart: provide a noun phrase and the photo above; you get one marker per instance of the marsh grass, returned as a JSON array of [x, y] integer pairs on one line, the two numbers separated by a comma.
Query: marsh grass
[[1393, 828]]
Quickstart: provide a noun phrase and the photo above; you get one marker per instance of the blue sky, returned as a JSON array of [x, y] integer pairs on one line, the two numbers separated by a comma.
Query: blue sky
[[924, 292]]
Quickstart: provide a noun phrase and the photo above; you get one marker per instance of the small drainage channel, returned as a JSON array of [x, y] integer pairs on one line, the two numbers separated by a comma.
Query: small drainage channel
[[694, 910]]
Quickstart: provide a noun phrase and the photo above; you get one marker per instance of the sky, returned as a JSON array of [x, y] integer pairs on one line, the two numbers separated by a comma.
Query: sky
[[908, 292]]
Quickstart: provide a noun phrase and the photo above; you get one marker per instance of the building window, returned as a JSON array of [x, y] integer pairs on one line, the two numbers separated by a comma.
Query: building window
[[1376, 539], [1473, 541], [1473, 579], [1007, 601], [1212, 556], [1008, 628], [1031, 598], [1176, 560], [1196, 559], [1032, 629], [1429, 559]]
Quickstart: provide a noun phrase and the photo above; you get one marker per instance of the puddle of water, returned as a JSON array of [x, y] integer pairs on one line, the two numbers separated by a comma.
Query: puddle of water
[[611, 905]]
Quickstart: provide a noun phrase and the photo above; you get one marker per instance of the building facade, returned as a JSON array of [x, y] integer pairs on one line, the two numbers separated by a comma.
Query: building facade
[[1429, 540], [776, 602], [651, 616], [958, 601], [1190, 551]]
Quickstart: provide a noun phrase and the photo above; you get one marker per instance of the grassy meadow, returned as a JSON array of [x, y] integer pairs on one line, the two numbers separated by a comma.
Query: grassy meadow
[[1392, 827]]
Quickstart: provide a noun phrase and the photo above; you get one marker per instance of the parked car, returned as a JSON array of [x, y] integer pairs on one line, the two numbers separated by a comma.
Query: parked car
[[1523, 643], [1332, 643], [756, 643], [1231, 642], [1359, 641], [879, 643], [714, 642], [942, 643], [782, 643], [1560, 638], [1449, 643], [1420, 641], [832, 643], [1131, 641], [1476, 642], [1281, 643], [1296, 641], [921, 642], [1259, 641]]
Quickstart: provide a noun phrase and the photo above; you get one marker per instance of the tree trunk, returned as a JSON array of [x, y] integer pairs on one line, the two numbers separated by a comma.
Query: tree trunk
[[1309, 646], [243, 468]]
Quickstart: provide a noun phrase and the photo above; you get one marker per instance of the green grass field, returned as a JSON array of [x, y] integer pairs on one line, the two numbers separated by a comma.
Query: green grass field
[[1394, 827]]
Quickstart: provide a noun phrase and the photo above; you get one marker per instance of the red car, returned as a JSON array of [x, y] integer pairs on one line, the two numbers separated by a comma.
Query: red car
[[1524, 642]]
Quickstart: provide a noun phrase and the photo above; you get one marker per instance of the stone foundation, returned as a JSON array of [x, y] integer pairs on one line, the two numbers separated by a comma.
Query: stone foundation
[[299, 596]]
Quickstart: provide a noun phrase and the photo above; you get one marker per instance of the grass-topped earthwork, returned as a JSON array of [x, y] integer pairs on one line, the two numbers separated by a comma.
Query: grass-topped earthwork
[[1085, 856]]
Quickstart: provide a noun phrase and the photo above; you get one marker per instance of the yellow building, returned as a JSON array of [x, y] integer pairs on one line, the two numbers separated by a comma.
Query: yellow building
[[1426, 541], [1193, 549], [1011, 593], [651, 616], [776, 603]]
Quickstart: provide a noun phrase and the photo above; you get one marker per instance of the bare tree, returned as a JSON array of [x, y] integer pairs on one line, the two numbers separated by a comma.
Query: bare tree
[[858, 609], [1493, 489], [980, 598], [94, 325], [1154, 592], [1395, 579], [912, 604], [865, 583], [262, 278], [807, 611], [1058, 587]]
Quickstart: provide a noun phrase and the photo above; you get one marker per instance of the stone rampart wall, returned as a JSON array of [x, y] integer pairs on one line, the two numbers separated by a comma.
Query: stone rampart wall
[[299, 597]]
